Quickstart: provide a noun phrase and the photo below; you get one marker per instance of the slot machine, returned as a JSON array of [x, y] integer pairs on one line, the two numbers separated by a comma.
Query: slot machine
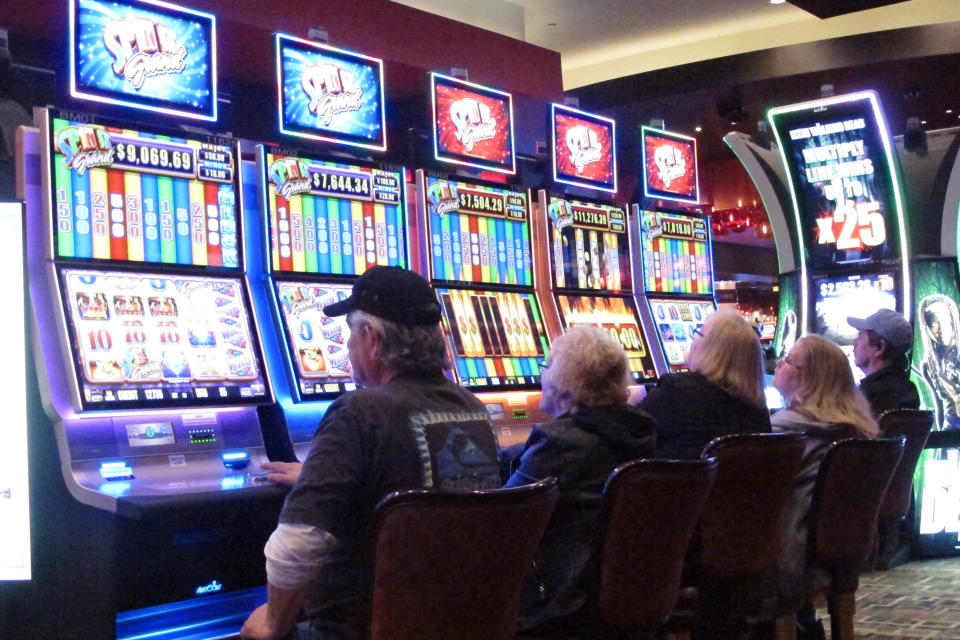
[[674, 245], [147, 353], [322, 221], [477, 246], [587, 262], [848, 211]]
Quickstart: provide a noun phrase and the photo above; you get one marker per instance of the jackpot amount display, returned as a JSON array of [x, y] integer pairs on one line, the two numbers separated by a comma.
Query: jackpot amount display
[[333, 219], [677, 322], [616, 316], [478, 234], [120, 194], [589, 246], [152, 337], [318, 343], [498, 337]]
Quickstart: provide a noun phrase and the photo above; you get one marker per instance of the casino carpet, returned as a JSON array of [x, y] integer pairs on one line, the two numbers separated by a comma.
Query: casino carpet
[[919, 600]]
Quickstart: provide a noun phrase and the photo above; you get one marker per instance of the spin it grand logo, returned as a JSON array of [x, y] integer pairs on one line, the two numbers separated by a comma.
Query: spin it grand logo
[[290, 176], [584, 146], [142, 48], [561, 214], [330, 90], [444, 197], [85, 147], [472, 122], [670, 164]]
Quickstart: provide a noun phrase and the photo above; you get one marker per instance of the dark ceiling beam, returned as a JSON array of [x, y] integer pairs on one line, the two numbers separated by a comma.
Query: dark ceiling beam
[[831, 8], [835, 53]]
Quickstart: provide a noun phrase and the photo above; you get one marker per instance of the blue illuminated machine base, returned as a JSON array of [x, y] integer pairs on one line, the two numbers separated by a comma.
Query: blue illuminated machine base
[[201, 618]]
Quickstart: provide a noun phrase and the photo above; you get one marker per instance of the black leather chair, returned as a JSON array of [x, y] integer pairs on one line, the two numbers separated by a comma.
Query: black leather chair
[[451, 565], [915, 426], [851, 483], [738, 541]]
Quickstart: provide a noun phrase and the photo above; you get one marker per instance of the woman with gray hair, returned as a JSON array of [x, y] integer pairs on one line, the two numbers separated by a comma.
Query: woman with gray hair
[[585, 388]]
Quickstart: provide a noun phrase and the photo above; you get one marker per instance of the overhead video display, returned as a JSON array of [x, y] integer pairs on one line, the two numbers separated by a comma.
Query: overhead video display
[[669, 162], [128, 195], [332, 218], [589, 245], [330, 94], [472, 124], [477, 233], [144, 340], [144, 54], [842, 178], [584, 149]]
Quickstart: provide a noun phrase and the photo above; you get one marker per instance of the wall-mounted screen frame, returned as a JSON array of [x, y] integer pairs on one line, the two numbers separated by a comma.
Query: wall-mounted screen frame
[[584, 147], [472, 124], [669, 166], [329, 94], [144, 54]]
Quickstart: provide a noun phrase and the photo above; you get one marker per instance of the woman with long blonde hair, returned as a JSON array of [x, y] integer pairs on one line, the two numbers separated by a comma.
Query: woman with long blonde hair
[[823, 402], [721, 393]]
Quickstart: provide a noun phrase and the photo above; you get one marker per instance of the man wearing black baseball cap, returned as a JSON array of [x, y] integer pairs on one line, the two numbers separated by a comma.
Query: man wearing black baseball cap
[[407, 427], [880, 351]]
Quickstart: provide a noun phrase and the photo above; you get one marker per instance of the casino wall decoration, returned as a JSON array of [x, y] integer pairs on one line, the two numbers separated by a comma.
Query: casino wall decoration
[[144, 54]]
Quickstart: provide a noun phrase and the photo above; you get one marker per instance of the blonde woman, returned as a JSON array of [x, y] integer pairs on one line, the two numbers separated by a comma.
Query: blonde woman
[[721, 393], [594, 430], [822, 401]]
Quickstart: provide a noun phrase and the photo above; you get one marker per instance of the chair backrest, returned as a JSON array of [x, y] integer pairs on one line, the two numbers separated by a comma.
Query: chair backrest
[[451, 565], [846, 498], [651, 509], [739, 533], [915, 426]]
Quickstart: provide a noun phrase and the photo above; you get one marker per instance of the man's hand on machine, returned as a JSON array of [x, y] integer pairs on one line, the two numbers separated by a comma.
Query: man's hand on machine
[[285, 473]]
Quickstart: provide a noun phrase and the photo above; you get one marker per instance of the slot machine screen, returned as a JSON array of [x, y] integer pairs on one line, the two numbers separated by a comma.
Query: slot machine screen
[[317, 343], [144, 54], [675, 321], [584, 149], [836, 298], [497, 338], [589, 246], [676, 253], [669, 166], [332, 218], [472, 124], [478, 234], [146, 340], [842, 179], [616, 315], [136, 196], [330, 94]]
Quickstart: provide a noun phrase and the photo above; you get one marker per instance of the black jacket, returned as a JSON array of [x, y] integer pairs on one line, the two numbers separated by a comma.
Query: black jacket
[[890, 389], [580, 450], [689, 411]]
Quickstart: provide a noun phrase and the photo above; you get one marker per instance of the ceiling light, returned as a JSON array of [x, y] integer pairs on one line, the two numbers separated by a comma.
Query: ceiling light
[[777, 1], [949, 110], [698, 129], [923, 122]]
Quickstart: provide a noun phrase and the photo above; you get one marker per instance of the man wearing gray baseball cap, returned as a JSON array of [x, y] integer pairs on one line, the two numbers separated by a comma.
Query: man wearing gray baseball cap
[[880, 351]]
